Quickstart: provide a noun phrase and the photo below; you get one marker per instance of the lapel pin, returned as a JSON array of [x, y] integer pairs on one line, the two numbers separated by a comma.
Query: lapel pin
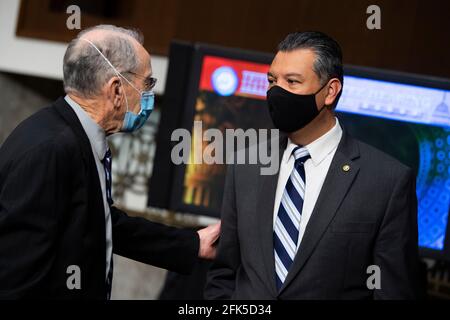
[[346, 168]]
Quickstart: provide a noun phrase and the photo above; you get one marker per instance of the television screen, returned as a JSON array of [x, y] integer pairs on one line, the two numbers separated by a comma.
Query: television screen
[[406, 116], [231, 95]]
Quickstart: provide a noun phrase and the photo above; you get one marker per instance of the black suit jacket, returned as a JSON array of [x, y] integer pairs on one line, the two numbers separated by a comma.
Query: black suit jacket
[[364, 216], [52, 215]]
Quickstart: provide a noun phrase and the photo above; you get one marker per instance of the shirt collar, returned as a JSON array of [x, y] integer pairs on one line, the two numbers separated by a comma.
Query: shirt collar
[[94, 132], [321, 147]]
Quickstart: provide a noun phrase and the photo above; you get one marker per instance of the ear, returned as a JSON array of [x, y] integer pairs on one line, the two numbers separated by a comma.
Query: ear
[[115, 91], [334, 88]]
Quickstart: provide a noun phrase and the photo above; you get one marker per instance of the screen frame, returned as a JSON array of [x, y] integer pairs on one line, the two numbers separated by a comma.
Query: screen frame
[[202, 50]]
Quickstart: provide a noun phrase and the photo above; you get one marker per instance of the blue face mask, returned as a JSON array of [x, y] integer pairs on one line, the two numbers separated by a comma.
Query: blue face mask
[[132, 121]]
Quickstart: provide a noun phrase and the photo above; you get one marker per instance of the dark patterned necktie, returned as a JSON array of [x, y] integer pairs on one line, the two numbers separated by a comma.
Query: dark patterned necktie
[[107, 162]]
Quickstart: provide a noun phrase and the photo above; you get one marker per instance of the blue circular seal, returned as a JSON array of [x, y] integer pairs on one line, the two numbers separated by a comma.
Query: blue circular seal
[[225, 81]]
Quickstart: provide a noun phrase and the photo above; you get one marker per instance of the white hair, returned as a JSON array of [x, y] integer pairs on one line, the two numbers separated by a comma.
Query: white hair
[[85, 70]]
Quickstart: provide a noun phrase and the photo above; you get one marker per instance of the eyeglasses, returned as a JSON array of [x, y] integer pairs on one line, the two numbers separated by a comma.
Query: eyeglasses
[[149, 82]]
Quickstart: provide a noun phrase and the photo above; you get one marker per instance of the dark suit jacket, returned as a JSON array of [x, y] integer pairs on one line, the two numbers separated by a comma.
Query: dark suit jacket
[[52, 215], [365, 216]]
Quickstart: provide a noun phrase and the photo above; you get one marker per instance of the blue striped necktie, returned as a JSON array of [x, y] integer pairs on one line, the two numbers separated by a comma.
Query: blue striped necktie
[[287, 223], [107, 163]]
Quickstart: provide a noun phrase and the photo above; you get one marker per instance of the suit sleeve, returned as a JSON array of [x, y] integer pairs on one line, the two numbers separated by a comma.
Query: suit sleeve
[[30, 193], [396, 247], [153, 243], [222, 274]]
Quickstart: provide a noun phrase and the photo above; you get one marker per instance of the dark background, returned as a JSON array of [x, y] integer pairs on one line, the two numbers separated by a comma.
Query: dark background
[[414, 35]]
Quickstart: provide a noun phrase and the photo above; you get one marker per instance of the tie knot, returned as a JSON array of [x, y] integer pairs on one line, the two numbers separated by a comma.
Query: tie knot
[[301, 154], [107, 155]]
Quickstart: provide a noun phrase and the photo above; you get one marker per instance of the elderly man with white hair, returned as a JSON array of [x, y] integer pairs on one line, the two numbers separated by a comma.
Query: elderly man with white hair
[[58, 225]]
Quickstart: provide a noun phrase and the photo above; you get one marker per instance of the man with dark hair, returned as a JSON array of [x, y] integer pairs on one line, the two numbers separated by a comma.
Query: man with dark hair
[[58, 225], [338, 221]]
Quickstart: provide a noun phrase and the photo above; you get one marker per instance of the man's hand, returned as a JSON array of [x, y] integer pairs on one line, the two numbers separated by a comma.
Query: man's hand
[[208, 236]]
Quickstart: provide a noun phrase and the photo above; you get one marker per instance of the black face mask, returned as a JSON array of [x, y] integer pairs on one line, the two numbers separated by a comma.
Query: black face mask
[[291, 112]]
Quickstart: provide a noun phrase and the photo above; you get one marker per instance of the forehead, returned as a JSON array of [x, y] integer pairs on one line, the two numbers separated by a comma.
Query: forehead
[[144, 59], [296, 61]]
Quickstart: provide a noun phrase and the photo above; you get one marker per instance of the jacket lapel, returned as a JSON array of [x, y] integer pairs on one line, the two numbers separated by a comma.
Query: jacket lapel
[[93, 189], [336, 185], [267, 187], [66, 112]]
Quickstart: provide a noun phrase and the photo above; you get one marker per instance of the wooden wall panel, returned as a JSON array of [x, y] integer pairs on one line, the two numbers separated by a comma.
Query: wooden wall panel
[[415, 34]]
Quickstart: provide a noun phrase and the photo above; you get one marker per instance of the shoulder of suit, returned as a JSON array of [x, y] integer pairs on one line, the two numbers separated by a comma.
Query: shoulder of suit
[[40, 132], [379, 159]]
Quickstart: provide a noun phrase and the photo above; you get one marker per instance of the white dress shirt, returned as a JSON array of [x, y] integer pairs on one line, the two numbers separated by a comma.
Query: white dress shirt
[[99, 146], [322, 151]]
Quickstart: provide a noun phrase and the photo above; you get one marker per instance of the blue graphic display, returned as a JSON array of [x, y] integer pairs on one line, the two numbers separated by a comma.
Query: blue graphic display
[[422, 115]]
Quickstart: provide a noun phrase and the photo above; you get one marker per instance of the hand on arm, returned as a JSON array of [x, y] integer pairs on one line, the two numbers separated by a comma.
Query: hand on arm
[[208, 237]]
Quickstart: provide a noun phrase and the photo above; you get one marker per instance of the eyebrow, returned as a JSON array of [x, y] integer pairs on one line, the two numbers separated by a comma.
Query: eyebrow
[[290, 74], [293, 74]]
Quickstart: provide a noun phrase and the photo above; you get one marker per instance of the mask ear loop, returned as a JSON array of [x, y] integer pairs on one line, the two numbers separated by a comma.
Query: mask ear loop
[[322, 87], [115, 70], [324, 106]]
